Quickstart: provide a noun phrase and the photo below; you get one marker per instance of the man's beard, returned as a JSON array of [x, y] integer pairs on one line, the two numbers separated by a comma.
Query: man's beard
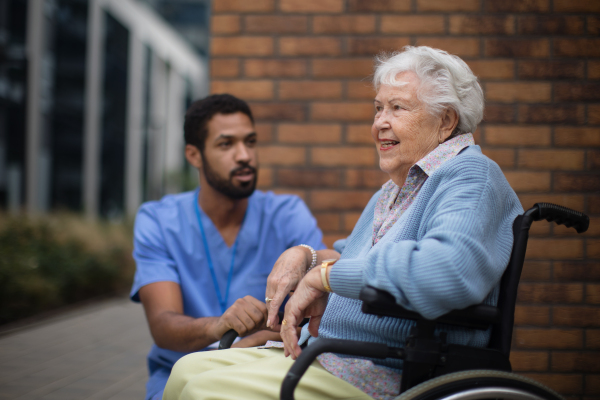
[[226, 186]]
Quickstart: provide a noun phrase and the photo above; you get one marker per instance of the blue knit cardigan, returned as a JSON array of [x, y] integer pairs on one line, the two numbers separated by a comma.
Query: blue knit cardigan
[[447, 251]]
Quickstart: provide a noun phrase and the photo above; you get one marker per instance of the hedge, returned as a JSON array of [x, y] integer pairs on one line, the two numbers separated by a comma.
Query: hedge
[[50, 262]]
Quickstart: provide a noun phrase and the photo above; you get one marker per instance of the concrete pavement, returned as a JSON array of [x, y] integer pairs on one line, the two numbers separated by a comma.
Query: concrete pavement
[[97, 352]]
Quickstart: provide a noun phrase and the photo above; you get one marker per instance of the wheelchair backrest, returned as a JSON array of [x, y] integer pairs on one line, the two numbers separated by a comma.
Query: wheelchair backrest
[[502, 332]]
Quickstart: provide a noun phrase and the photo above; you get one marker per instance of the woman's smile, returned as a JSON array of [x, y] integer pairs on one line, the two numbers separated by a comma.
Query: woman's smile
[[386, 144]]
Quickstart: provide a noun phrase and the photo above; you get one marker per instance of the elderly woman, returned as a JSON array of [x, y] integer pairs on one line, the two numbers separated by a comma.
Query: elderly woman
[[437, 236]]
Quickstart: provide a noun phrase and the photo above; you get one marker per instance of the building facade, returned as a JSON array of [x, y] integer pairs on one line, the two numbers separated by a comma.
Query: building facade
[[92, 98]]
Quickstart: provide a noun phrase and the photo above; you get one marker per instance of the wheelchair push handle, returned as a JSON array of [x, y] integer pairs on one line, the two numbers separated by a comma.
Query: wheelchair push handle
[[560, 215], [227, 339]]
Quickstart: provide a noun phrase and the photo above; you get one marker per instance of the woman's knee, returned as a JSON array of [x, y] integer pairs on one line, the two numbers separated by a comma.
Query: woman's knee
[[202, 385], [184, 369], [194, 367]]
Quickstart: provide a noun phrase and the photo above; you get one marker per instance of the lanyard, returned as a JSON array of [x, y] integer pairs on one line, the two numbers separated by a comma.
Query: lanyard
[[222, 300]]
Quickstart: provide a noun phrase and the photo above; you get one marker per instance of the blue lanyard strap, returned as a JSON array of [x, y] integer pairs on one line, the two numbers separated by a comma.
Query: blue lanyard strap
[[222, 300]]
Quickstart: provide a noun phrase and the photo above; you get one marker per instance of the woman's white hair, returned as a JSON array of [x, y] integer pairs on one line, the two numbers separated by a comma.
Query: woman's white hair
[[446, 81]]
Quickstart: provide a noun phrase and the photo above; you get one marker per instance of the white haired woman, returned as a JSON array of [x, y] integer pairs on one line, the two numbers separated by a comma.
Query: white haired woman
[[437, 236]]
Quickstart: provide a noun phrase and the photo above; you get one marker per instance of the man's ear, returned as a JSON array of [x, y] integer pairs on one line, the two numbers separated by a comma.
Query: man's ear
[[193, 155], [449, 121]]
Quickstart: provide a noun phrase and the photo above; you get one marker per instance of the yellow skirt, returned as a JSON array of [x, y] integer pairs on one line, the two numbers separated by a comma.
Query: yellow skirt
[[248, 374]]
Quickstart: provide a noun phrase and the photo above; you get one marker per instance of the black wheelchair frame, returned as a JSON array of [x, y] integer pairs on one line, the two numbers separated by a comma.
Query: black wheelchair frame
[[434, 369]]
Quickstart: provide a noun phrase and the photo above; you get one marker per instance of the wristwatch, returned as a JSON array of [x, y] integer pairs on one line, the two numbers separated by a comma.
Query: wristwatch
[[324, 265]]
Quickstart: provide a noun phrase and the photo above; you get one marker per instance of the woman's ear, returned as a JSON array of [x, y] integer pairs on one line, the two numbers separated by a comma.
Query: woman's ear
[[448, 124], [193, 155]]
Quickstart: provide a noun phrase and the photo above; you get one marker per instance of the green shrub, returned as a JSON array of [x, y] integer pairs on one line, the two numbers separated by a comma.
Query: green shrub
[[59, 260]]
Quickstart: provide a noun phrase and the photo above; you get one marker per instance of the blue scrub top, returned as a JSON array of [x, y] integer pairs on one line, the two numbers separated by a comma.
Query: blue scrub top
[[168, 247]]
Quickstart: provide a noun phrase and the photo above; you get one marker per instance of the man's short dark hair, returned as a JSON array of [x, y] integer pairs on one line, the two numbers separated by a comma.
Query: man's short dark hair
[[195, 127]]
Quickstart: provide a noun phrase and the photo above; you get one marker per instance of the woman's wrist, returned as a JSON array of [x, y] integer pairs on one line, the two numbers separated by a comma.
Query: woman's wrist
[[311, 260], [325, 271]]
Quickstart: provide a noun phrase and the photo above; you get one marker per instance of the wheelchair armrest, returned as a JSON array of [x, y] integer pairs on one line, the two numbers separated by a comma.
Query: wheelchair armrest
[[379, 302]]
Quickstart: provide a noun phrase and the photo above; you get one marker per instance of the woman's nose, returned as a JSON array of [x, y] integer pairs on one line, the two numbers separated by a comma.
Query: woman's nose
[[382, 120]]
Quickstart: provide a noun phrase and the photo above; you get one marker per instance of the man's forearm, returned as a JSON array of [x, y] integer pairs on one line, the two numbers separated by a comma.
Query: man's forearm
[[177, 332], [258, 339]]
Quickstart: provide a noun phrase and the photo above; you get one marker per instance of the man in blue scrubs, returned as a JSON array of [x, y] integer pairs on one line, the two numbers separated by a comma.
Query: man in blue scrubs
[[203, 257]]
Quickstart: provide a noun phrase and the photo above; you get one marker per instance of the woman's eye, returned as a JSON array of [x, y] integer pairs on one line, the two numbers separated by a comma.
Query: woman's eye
[[397, 107]]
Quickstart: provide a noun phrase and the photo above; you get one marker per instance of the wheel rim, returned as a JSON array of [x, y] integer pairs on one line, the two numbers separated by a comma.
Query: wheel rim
[[493, 393], [474, 383]]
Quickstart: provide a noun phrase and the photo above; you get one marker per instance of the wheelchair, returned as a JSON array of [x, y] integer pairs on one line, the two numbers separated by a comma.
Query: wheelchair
[[434, 369]]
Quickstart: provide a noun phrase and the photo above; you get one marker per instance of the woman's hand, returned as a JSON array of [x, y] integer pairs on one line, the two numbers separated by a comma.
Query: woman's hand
[[309, 300], [288, 270]]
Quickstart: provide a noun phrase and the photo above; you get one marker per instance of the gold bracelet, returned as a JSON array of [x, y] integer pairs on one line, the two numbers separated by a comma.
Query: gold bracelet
[[324, 265]]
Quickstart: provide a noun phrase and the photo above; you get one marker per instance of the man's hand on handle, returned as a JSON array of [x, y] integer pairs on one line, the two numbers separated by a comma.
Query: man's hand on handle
[[246, 316]]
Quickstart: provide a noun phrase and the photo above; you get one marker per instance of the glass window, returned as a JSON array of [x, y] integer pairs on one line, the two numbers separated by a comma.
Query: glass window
[[69, 100], [114, 102]]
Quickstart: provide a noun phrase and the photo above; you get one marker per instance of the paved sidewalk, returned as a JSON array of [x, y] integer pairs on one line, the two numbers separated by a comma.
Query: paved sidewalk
[[97, 352]]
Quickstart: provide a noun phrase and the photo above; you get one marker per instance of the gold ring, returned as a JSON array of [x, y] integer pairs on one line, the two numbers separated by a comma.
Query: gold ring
[[268, 299], [284, 322]]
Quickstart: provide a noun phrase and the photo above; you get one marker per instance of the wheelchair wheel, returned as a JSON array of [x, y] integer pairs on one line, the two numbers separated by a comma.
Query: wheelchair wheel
[[480, 384]]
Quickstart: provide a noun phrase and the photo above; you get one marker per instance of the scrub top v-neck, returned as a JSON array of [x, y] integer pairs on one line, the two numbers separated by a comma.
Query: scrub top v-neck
[[222, 295]]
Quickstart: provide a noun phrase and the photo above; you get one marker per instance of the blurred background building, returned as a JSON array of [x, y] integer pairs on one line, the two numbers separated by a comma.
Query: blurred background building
[[92, 98]]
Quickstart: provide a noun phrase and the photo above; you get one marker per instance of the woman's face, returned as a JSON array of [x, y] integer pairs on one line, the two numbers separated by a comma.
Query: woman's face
[[403, 130]]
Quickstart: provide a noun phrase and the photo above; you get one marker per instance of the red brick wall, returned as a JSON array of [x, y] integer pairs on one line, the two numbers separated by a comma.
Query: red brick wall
[[303, 66]]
